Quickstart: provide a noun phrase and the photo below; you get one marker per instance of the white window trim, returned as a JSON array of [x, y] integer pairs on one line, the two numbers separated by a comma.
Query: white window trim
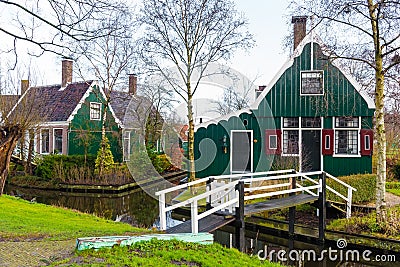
[[40, 142], [283, 154], [126, 159], [338, 155], [54, 139], [327, 142], [90, 109], [367, 142], [276, 141], [323, 82]]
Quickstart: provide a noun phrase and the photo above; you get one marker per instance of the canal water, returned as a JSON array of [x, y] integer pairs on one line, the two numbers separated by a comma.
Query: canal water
[[139, 209]]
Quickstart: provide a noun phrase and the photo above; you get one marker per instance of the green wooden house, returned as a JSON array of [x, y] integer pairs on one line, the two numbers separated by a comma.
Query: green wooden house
[[70, 116], [311, 116]]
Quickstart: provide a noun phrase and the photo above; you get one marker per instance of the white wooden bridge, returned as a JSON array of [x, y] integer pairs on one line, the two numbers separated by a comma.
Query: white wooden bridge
[[225, 197]]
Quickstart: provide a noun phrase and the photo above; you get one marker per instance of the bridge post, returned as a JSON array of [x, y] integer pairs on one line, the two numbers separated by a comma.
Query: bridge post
[[292, 215], [239, 223], [322, 209], [209, 188]]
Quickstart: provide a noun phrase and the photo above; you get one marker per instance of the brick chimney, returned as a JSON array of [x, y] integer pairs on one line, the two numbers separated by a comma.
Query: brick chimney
[[67, 65], [24, 86], [260, 89], [299, 29], [132, 84]]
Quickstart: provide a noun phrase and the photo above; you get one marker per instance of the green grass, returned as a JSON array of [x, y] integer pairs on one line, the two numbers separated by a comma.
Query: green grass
[[165, 253], [189, 193], [394, 191], [366, 224], [20, 219]]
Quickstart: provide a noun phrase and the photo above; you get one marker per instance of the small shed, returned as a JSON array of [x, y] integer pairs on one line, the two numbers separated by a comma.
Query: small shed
[[311, 116]]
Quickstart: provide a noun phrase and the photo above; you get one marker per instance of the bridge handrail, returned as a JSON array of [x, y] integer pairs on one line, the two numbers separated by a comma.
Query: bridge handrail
[[220, 177], [341, 182]]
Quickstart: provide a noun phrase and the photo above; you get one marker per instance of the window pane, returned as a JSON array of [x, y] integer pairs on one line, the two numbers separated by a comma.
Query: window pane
[[273, 142], [58, 134], [346, 122], [346, 142], [312, 82], [291, 122], [44, 139], [95, 111], [307, 122], [291, 142]]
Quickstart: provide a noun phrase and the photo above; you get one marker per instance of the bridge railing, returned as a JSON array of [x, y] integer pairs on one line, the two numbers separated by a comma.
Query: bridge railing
[[227, 195], [220, 189]]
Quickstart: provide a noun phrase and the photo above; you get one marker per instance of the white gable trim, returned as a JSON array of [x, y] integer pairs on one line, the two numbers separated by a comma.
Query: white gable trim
[[82, 101], [225, 117], [315, 39]]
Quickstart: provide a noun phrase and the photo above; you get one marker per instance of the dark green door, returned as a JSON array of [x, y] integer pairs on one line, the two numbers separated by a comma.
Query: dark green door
[[311, 150]]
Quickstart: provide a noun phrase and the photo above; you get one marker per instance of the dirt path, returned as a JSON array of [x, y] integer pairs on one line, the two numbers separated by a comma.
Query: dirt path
[[34, 253]]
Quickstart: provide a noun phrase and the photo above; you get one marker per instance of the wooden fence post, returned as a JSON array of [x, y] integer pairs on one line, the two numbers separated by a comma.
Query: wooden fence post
[[239, 224], [209, 188]]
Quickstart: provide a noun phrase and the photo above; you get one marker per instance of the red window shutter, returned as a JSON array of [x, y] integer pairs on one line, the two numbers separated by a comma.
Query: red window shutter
[[327, 141], [273, 149], [366, 142]]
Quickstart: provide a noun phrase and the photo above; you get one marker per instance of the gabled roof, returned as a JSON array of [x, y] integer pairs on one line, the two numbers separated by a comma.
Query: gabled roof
[[313, 38], [307, 39], [54, 103], [130, 109]]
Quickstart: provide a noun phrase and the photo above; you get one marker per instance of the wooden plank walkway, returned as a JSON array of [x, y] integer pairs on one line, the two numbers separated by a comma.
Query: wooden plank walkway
[[208, 224], [279, 203], [215, 221]]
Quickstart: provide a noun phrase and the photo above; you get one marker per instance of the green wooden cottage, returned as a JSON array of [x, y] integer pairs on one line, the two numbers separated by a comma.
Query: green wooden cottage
[[70, 116], [312, 116]]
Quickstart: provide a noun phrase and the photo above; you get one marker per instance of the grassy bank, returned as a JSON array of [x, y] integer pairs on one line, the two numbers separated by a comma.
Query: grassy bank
[[165, 253], [366, 224], [47, 235], [21, 219]]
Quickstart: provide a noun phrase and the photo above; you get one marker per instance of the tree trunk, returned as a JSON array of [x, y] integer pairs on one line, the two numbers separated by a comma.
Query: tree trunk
[[28, 164], [8, 140], [379, 117], [192, 172]]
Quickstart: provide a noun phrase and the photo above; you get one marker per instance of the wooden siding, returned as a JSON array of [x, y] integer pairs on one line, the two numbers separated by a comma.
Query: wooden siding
[[284, 100], [340, 97], [82, 125]]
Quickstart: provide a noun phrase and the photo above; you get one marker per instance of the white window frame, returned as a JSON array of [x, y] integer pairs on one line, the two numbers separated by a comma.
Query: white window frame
[[358, 128], [62, 140], [92, 104], [367, 140], [283, 136], [276, 141], [301, 82], [327, 142], [126, 156], [41, 141]]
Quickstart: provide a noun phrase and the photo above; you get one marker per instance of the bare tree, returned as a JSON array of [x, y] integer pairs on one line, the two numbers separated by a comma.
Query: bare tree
[[367, 32], [190, 34], [46, 25], [108, 56]]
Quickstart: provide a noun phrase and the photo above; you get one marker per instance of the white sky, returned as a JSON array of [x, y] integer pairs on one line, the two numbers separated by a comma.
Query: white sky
[[267, 22]]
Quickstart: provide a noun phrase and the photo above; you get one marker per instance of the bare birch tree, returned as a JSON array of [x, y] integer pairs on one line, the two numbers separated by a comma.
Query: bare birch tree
[[189, 35], [365, 31]]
